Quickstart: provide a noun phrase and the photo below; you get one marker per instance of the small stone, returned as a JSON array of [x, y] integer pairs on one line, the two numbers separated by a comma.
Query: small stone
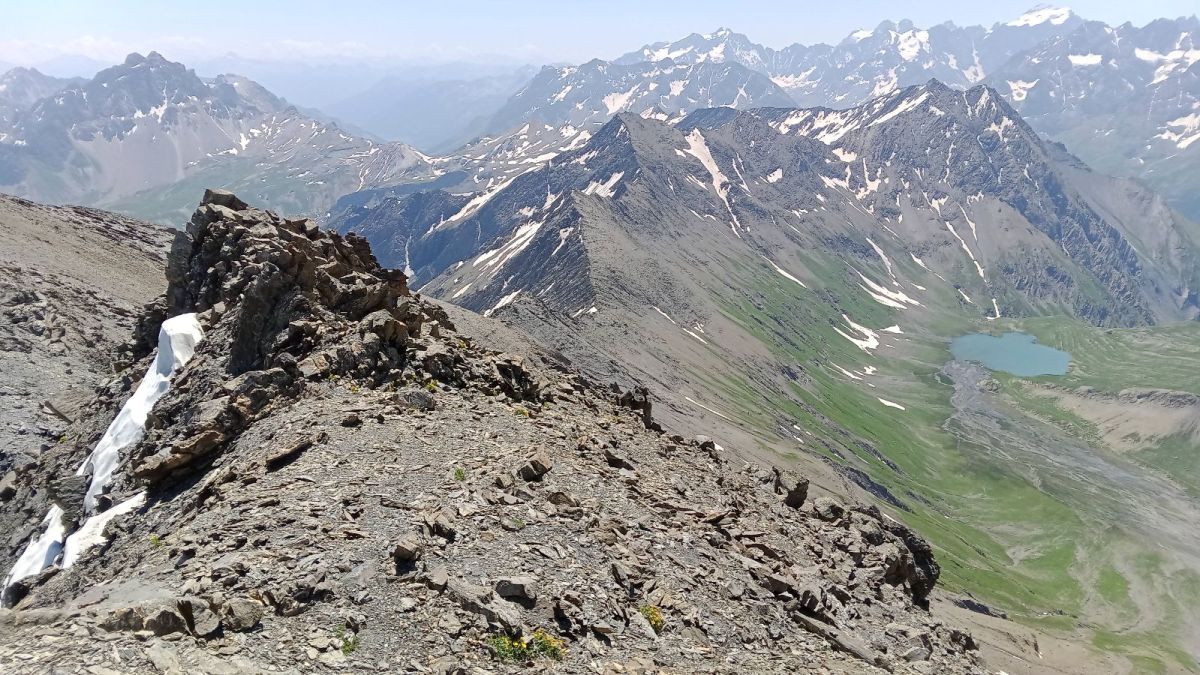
[[517, 588], [438, 578], [241, 614], [916, 654], [537, 466], [407, 550]]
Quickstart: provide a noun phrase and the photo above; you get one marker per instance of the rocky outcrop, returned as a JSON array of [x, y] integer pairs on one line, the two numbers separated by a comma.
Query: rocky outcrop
[[286, 303], [338, 479]]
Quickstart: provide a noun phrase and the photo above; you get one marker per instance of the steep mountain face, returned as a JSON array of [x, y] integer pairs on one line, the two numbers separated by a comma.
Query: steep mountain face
[[141, 135], [20, 88], [592, 93], [956, 180], [333, 476], [62, 319], [437, 115], [1125, 99], [560, 110], [1122, 98]]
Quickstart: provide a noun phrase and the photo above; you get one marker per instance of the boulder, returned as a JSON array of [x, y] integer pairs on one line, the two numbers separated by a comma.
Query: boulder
[[223, 198], [793, 489], [828, 509]]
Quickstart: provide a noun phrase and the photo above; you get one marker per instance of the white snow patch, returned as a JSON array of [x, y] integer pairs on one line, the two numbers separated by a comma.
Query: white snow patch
[[846, 372], [477, 202], [665, 315], [906, 106], [782, 271], [177, 340], [1176, 60], [1085, 59], [694, 402], [978, 267], [91, 533], [604, 189], [892, 329], [1055, 15], [886, 296], [562, 94], [1020, 88], [1188, 132], [911, 43], [886, 263], [497, 257], [890, 404], [974, 234], [775, 176], [698, 148], [870, 339], [845, 155], [563, 234], [617, 101], [503, 301]]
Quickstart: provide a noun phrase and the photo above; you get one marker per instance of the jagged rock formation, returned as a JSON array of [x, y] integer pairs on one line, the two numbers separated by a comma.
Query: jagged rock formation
[[60, 318], [338, 479]]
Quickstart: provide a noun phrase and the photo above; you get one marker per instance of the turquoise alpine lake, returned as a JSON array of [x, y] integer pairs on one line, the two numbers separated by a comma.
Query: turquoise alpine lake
[[1015, 353]]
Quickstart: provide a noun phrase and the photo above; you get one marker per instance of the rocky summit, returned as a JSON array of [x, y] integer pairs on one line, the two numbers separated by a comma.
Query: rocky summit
[[339, 480]]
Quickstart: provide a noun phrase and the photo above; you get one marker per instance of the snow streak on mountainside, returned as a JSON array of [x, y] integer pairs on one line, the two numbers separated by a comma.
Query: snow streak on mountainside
[[1124, 99]]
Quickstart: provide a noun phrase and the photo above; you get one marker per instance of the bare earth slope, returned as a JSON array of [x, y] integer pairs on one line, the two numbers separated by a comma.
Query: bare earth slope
[[72, 280]]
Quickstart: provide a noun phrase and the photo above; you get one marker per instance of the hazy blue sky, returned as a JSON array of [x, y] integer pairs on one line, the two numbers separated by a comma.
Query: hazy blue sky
[[431, 30]]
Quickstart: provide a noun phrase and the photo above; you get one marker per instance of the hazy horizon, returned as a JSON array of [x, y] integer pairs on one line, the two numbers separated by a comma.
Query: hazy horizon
[[73, 38]]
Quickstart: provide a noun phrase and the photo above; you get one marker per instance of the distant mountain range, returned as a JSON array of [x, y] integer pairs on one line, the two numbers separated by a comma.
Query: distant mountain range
[[1126, 100], [146, 136], [951, 187]]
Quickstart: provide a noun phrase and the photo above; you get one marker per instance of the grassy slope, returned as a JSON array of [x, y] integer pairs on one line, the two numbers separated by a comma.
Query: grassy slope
[[1032, 549]]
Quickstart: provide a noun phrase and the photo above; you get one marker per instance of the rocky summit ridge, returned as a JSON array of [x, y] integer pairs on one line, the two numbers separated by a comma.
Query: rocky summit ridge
[[340, 480]]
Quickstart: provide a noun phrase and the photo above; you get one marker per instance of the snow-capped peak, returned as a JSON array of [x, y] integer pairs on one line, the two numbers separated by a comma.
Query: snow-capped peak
[[1041, 14]]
